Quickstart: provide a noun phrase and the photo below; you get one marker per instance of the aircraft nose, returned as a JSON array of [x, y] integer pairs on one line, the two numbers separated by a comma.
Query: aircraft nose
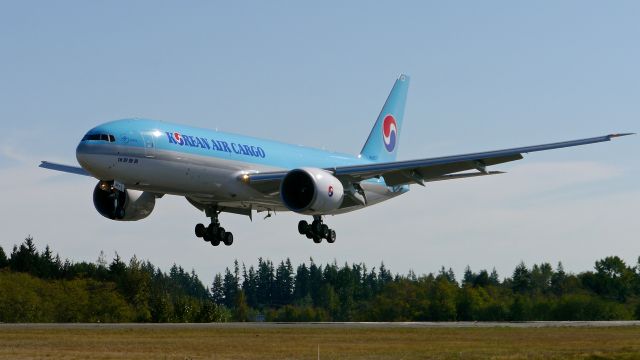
[[82, 155]]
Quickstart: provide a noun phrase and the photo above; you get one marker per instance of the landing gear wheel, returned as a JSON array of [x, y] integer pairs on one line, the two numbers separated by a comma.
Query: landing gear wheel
[[316, 227], [324, 231], [332, 237], [317, 230], [303, 227], [220, 233], [200, 230], [214, 233], [228, 238]]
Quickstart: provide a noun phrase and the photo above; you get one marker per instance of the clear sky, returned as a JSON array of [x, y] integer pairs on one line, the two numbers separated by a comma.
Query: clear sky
[[485, 75]]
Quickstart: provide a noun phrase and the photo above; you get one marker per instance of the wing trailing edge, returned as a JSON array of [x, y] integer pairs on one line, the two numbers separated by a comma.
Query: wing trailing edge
[[420, 171]]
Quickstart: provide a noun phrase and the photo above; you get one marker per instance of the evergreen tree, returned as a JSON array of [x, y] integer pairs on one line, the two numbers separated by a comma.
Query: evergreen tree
[[521, 281], [25, 257], [315, 282], [301, 283], [283, 284], [384, 276], [217, 290], [265, 282], [249, 286], [541, 277], [371, 282], [3, 259], [558, 280], [468, 277], [229, 288], [494, 279], [117, 268]]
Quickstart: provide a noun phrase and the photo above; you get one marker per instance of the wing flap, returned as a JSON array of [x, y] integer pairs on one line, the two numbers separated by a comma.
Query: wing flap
[[438, 172]]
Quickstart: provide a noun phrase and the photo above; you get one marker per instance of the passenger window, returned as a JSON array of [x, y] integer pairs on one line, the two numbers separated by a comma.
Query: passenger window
[[112, 138]]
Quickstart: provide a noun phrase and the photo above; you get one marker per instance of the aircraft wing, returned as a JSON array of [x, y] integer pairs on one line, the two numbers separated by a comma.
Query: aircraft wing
[[425, 170], [64, 168]]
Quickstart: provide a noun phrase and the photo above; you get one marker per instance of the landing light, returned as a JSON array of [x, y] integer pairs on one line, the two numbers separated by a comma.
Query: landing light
[[244, 178], [105, 186]]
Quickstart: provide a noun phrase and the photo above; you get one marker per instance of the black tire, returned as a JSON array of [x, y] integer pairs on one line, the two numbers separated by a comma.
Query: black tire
[[220, 233], [303, 226], [228, 239], [316, 227], [309, 234], [200, 230], [332, 237], [215, 241], [317, 239], [211, 233], [324, 231]]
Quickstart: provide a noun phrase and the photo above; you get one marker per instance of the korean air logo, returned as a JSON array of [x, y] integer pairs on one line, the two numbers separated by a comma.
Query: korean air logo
[[389, 132], [178, 138], [330, 192]]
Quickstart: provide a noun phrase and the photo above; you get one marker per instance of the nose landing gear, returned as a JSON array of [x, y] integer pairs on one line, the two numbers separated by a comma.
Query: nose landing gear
[[317, 230], [214, 233]]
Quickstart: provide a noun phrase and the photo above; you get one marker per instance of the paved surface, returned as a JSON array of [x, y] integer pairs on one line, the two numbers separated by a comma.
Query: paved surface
[[530, 324]]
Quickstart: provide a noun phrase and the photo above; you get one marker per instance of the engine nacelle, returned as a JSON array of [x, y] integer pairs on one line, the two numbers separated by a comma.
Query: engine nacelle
[[311, 191], [127, 205]]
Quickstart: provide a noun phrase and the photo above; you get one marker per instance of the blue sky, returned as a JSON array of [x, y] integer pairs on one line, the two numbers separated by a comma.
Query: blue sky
[[485, 75]]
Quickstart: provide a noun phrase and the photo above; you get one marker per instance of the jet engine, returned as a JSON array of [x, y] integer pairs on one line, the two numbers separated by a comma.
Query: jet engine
[[311, 191], [127, 205]]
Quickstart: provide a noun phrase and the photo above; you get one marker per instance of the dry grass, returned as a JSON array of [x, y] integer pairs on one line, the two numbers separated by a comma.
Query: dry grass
[[301, 342]]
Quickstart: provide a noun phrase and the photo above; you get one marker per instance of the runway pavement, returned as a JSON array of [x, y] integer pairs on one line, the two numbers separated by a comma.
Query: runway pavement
[[528, 324]]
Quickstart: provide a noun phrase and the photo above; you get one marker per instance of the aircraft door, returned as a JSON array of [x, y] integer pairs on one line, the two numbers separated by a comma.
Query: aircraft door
[[149, 145]]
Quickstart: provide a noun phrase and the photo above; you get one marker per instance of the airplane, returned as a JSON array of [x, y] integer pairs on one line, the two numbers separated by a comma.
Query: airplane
[[137, 161]]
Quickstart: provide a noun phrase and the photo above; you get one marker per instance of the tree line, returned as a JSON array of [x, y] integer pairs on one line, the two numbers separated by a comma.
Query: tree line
[[36, 286], [40, 287]]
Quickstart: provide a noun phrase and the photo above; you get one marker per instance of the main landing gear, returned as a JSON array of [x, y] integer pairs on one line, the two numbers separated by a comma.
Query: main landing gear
[[214, 233], [317, 230]]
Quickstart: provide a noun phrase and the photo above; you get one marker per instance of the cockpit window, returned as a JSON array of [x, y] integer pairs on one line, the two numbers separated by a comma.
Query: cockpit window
[[101, 137]]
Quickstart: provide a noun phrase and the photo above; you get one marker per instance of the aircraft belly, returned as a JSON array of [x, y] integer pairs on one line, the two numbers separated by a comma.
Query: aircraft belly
[[191, 175]]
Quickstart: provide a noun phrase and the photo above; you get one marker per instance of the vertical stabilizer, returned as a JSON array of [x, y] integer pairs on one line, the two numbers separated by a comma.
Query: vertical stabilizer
[[382, 144]]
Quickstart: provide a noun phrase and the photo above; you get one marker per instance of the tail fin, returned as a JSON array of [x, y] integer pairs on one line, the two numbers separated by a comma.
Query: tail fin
[[382, 144]]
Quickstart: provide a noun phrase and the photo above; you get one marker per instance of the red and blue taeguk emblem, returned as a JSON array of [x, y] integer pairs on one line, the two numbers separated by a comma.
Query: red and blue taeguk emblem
[[330, 192], [389, 132], [178, 138]]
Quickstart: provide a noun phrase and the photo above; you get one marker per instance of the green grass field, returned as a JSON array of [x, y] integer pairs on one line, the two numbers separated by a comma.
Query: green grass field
[[236, 341]]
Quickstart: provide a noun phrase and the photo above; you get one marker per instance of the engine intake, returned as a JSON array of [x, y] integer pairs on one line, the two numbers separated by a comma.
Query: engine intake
[[311, 191], [127, 205]]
